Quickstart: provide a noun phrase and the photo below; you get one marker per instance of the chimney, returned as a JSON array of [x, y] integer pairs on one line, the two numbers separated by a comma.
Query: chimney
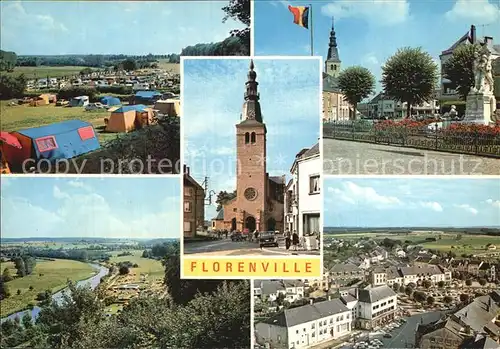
[[473, 33], [311, 301]]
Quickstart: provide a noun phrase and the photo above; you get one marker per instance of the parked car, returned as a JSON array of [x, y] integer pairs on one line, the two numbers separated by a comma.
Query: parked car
[[95, 106], [268, 238], [387, 335], [238, 236]]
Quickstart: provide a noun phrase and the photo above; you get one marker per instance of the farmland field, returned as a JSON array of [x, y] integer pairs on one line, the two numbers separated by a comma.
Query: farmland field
[[47, 275], [42, 72], [468, 243], [164, 64], [19, 117], [152, 267]]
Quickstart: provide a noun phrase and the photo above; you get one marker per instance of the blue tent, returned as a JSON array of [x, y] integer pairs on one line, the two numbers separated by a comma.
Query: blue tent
[[62, 140], [126, 108], [147, 97], [110, 101]]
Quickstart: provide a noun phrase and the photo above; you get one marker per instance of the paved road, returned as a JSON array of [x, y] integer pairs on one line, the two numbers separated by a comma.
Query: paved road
[[226, 247], [353, 158]]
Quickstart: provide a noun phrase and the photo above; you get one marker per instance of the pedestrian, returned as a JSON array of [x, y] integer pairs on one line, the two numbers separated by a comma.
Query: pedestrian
[[295, 240], [256, 234], [225, 231], [288, 239]]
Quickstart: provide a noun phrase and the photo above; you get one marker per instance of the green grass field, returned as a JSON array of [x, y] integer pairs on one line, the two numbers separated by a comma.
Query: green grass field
[[55, 276], [13, 118], [164, 64], [43, 71], [467, 244], [148, 266]]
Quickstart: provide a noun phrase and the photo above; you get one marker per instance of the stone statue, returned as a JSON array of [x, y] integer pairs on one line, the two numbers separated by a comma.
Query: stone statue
[[483, 72], [453, 112]]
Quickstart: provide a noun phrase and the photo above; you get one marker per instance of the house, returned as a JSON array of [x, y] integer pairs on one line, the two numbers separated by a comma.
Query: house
[[303, 202], [342, 274], [488, 271], [384, 107], [376, 306], [194, 205], [473, 267], [270, 290], [305, 326], [400, 253]]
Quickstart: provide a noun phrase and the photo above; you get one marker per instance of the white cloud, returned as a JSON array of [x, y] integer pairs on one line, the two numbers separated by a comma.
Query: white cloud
[[494, 203], [355, 194], [432, 205], [371, 59], [480, 11], [15, 15], [379, 12], [468, 208]]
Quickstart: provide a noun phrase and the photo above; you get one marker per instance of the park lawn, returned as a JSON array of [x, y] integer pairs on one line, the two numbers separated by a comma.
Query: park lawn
[[165, 64], [152, 267], [55, 277], [19, 117], [42, 72]]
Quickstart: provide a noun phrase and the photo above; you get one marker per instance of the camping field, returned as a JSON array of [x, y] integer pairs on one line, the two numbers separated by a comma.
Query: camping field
[[42, 72], [13, 118], [152, 267], [467, 243], [47, 275]]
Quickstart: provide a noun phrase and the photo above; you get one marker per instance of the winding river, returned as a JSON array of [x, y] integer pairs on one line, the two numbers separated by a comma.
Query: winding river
[[92, 282]]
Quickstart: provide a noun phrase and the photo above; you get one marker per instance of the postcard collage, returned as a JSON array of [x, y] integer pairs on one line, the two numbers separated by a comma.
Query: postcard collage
[[250, 174]]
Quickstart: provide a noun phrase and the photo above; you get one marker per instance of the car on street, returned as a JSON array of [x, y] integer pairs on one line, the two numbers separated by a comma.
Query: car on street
[[268, 238], [387, 335], [237, 236]]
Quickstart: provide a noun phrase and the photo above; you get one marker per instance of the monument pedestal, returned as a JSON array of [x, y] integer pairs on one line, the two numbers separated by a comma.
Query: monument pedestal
[[478, 108]]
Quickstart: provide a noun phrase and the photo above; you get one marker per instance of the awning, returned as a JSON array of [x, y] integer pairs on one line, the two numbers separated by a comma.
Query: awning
[[6, 137]]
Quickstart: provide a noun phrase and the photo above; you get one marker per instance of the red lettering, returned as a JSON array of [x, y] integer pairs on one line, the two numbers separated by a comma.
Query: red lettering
[[193, 265], [216, 267], [229, 267], [265, 266], [285, 270], [296, 267], [204, 267], [241, 267], [252, 267], [308, 267]]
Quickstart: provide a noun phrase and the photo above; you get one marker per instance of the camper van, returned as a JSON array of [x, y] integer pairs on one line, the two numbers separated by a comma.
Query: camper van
[[140, 86]]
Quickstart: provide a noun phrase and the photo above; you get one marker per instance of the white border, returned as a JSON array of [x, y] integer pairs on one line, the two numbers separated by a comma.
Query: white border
[[252, 315], [319, 59], [252, 25]]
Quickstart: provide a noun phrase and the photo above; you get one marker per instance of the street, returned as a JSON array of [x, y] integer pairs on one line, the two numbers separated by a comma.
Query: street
[[226, 247], [354, 158]]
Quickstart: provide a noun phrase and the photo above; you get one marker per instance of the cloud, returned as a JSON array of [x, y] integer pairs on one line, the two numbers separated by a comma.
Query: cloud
[[480, 11], [381, 12], [15, 15], [354, 194], [494, 203], [432, 205], [468, 208], [371, 59], [49, 23]]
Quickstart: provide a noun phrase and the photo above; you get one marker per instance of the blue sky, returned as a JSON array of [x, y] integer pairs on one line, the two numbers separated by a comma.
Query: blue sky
[[98, 27], [213, 99], [369, 32], [115, 207], [411, 202]]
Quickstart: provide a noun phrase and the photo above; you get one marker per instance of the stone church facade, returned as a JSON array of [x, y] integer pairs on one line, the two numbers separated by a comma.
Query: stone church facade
[[259, 201]]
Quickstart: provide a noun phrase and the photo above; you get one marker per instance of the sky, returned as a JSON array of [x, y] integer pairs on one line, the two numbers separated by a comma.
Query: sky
[[111, 27], [212, 104], [369, 32], [390, 202], [116, 207]]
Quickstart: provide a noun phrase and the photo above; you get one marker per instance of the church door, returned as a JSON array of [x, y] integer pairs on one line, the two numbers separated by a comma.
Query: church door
[[233, 224], [250, 223], [271, 224]]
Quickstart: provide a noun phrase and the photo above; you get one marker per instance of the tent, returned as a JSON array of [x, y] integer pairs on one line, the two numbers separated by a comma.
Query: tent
[[43, 99], [170, 107], [110, 101], [7, 140], [128, 118], [62, 140], [80, 101], [147, 97]]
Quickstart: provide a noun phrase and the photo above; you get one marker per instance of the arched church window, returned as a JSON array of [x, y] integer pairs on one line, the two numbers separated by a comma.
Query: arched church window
[[332, 67], [252, 138], [247, 138]]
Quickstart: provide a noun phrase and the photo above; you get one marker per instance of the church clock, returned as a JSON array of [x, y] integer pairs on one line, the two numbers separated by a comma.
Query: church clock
[[250, 193]]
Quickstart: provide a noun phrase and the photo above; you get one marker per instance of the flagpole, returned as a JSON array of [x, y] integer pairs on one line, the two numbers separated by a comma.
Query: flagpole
[[311, 29]]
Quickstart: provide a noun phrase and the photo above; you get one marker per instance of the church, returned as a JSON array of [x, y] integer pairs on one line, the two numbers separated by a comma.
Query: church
[[259, 201]]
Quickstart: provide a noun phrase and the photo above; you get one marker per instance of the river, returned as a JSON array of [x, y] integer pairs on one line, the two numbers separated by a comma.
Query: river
[[92, 282]]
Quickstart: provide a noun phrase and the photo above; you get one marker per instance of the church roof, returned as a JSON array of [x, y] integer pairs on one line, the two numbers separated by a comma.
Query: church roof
[[333, 52], [220, 215], [330, 84]]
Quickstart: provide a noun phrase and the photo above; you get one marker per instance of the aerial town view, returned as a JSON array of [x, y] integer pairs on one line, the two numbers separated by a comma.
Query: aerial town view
[[241, 185], [402, 100], [77, 100], [84, 266], [407, 264]]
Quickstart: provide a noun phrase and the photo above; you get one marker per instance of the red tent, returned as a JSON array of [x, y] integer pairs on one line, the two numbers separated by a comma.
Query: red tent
[[9, 139]]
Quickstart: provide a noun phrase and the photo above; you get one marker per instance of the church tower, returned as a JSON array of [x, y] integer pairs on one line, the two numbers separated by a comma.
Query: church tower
[[332, 63], [251, 175]]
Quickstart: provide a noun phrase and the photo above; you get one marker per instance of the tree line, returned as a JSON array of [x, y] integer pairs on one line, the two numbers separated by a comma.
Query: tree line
[[186, 319]]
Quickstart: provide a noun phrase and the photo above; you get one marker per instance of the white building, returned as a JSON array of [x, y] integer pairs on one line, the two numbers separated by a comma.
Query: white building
[[303, 200], [306, 326], [376, 307], [409, 274], [382, 106], [269, 290]]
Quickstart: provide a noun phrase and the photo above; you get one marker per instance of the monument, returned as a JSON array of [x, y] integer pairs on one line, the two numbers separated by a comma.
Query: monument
[[481, 103]]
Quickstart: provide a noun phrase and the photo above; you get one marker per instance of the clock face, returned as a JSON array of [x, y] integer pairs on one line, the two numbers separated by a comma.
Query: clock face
[[250, 193], [251, 114]]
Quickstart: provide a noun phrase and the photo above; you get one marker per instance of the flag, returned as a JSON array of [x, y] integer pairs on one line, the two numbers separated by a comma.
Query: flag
[[300, 15]]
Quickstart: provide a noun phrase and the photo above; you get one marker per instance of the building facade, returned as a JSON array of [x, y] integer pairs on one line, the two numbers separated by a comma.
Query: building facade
[[376, 306], [303, 201], [194, 205], [383, 107], [335, 107], [259, 203]]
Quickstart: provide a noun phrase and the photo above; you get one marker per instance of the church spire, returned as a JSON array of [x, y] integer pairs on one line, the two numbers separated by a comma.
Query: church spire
[[333, 52], [251, 108]]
